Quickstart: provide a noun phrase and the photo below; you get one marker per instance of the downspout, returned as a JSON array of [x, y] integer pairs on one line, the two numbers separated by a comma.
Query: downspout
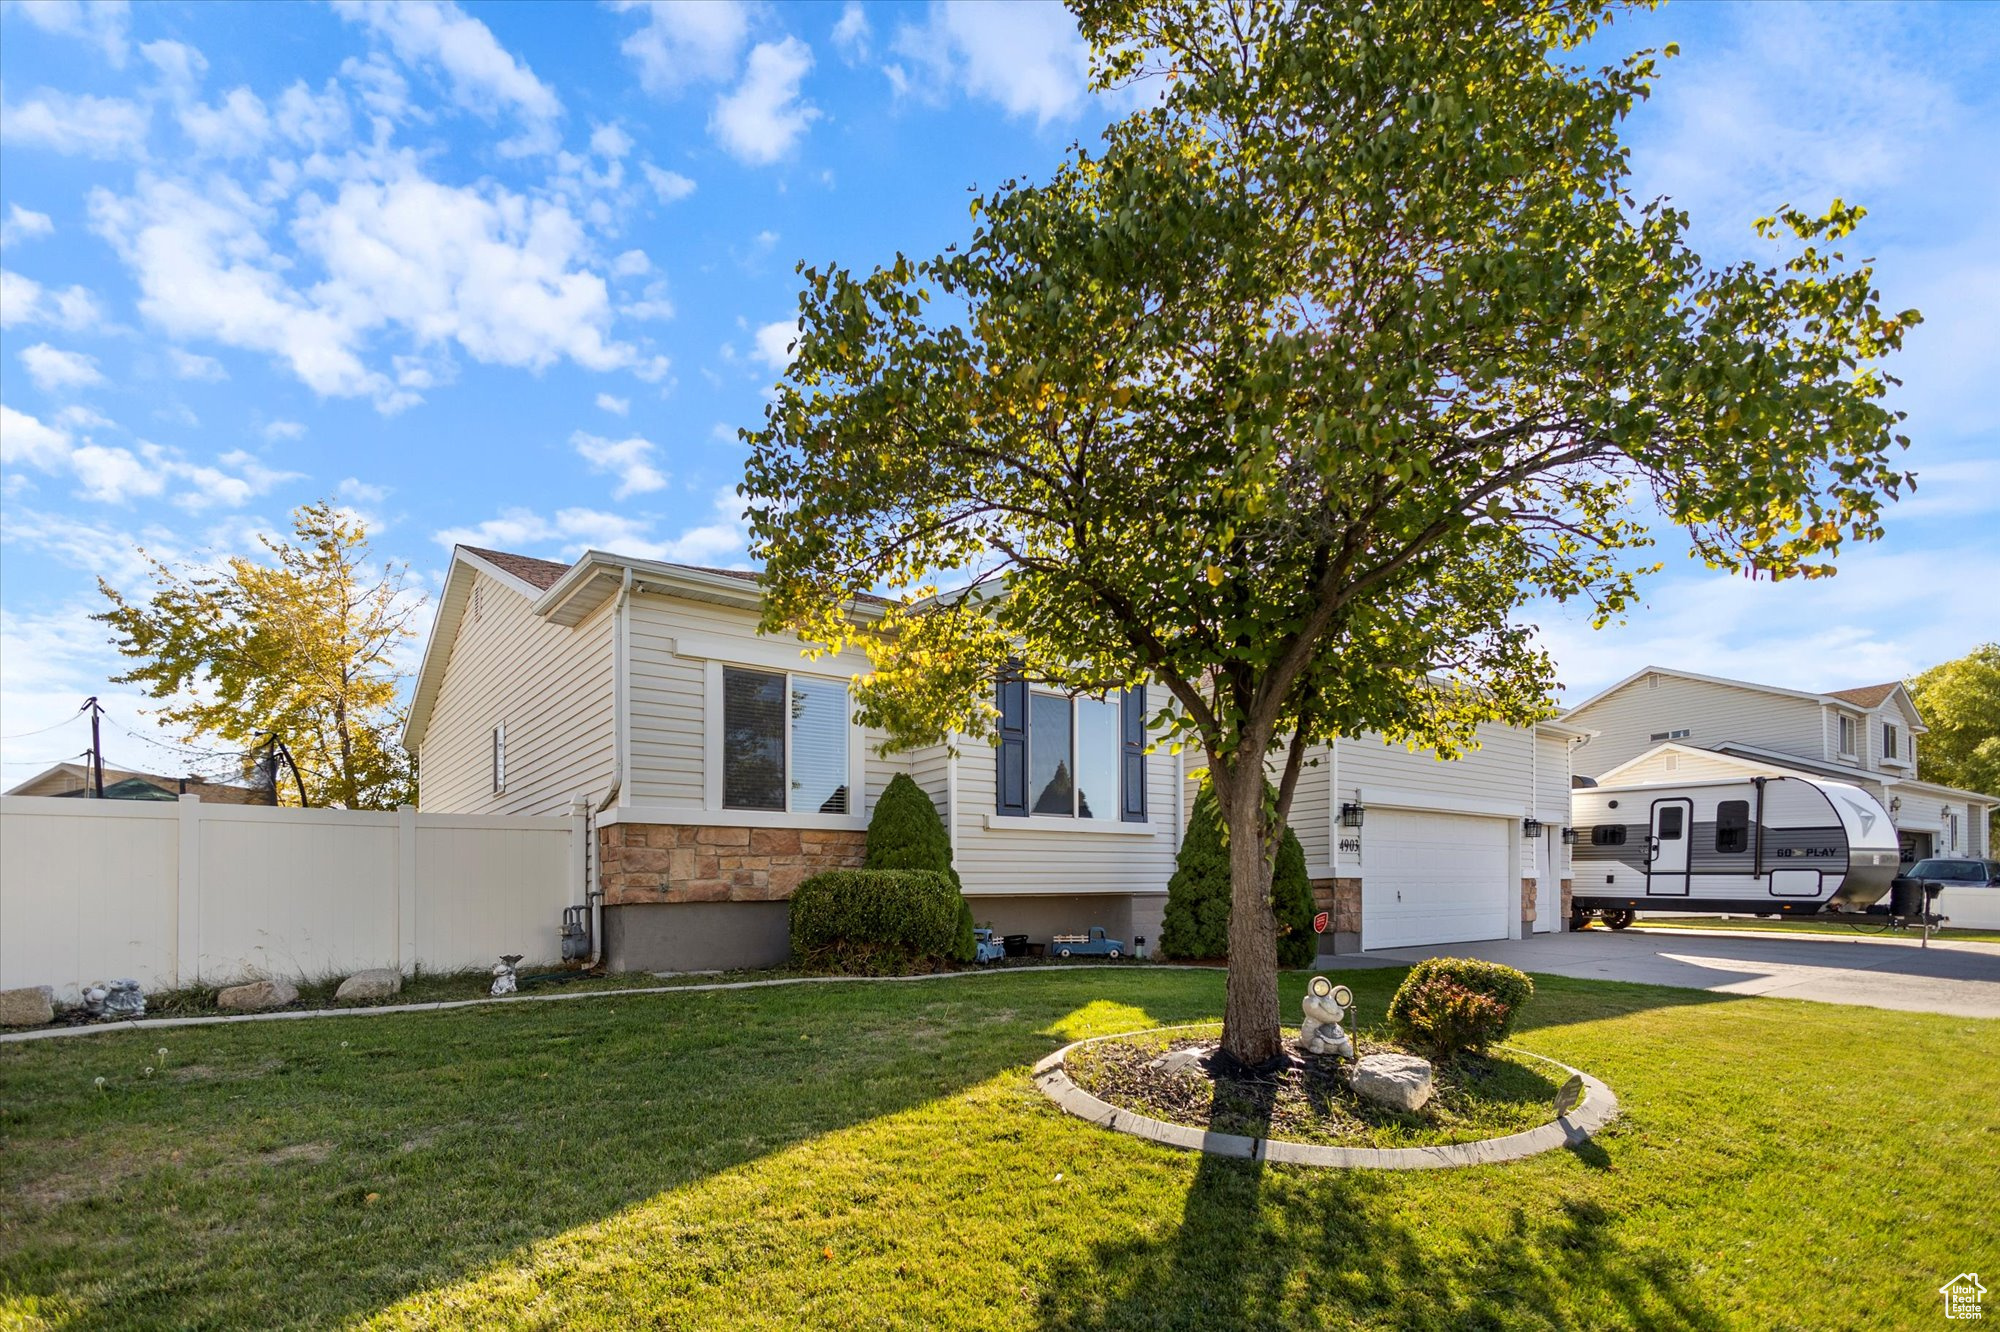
[[951, 758], [620, 758]]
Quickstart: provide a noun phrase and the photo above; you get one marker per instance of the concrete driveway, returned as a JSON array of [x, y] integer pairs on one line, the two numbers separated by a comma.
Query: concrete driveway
[[1959, 979]]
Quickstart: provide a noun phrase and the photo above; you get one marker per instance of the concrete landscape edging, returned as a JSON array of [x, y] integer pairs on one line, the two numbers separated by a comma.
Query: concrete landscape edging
[[1599, 1108]]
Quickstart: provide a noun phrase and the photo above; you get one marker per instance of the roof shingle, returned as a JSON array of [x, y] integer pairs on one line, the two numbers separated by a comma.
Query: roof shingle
[[1867, 696], [541, 573]]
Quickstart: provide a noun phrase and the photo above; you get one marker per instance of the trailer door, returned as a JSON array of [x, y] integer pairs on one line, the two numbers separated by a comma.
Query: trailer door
[[1667, 847]]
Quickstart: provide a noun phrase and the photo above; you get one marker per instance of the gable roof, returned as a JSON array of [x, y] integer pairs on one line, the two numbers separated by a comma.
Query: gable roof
[[541, 574], [1867, 697]]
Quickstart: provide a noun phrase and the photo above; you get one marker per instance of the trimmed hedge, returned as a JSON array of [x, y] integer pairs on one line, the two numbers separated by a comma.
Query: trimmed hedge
[[1197, 915], [874, 921], [905, 833], [1451, 1005]]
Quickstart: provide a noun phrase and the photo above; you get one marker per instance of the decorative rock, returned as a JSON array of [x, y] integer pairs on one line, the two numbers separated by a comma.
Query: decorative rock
[[374, 983], [30, 1007], [1401, 1082], [120, 999], [1179, 1061], [257, 996]]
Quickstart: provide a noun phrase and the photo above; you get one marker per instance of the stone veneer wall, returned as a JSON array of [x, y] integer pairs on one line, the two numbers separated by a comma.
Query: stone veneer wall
[[659, 862], [1341, 900], [1528, 905], [1568, 890]]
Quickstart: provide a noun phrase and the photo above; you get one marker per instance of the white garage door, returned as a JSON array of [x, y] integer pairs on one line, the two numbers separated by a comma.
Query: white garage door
[[1433, 879]]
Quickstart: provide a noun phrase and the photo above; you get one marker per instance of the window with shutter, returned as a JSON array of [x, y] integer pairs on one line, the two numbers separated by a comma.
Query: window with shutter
[[1012, 755], [1132, 754]]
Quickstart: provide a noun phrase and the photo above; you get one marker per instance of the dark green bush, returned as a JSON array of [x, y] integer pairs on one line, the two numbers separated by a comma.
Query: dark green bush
[[1197, 915], [872, 922], [905, 832], [1451, 1005]]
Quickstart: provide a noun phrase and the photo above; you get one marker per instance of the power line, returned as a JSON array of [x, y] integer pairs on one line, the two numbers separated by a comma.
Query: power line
[[46, 729]]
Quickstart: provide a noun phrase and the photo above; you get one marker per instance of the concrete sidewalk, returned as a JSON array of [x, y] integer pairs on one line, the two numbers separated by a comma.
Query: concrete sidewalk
[[1961, 979]]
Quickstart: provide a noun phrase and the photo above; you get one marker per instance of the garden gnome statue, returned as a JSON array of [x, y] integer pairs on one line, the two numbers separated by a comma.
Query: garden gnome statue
[[1326, 1004], [504, 980]]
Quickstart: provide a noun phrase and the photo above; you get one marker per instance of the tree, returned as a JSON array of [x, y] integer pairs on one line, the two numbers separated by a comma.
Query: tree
[[1960, 703], [1293, 391], [1196, 924], [304, 645]]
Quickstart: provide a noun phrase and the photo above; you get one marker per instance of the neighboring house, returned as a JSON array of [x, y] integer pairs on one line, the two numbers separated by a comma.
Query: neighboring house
[[1666, 725], [724, 768], [75, 779]]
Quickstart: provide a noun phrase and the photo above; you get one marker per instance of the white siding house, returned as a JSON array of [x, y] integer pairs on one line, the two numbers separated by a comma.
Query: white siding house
[[1662, 725], [644, 689]]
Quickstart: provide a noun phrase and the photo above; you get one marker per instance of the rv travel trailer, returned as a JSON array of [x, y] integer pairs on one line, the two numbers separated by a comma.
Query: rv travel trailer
[[1753, 845]]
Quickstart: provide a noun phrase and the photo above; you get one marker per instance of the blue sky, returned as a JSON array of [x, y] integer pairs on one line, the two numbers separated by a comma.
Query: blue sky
[[516, 274]]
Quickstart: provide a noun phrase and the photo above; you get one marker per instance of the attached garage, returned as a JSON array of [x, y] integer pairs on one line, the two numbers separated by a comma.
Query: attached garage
[[1435, 878]]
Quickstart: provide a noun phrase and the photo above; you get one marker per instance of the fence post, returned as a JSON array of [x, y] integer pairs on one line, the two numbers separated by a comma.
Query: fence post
[[406, 888], [187, 894]]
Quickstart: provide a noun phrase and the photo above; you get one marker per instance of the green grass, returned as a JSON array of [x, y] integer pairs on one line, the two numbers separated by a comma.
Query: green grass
[[854, 1155], [1838, 929]]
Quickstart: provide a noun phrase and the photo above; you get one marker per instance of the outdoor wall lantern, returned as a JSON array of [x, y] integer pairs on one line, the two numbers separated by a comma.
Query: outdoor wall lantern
[[1351, 814], [1569, 837], [1531, 827]]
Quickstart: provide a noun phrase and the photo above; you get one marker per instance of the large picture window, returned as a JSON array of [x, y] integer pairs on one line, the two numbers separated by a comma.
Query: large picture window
[[784, 742], [1071, 758]]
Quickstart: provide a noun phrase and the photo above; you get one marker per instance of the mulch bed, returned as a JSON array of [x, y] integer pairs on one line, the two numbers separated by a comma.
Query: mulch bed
[[1474, 1097]]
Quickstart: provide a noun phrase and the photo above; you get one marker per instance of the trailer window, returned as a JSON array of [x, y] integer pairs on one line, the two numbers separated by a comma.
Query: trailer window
[[1670, 824], [1608, 834], [1732, 826]]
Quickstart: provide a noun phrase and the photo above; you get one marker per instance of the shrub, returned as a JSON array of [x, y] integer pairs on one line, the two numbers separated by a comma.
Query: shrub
[[875, 921], [1450, 1005], [1197, 915], [905, 832]]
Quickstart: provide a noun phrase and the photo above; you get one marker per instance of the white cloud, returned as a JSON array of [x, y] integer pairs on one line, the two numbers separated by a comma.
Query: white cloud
[[570, 532], [237, 126], [54, 370], [760, 121], [316, 120], [616, 406], [685, 41], [181, 66], [84, 125], [26, 301], [671, 186], [485, 78], [361, 492], [1026, 55], [25, 441], [610, 141], [22, 224], [103, 23], [851, 33], [112, 474], [632, 263], [773, 344], [655, 304], [187, 365], [631, 460], [245, 479], [284, 430], [381, 88]]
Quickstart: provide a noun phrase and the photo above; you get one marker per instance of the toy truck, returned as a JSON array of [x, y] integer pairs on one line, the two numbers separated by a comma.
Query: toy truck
[[1094, 944], [986, 948]]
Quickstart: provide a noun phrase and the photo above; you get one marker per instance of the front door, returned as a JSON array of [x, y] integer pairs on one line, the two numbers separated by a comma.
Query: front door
[[1667, 848]]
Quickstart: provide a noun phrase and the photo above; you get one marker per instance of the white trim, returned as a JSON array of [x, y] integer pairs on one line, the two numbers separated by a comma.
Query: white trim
[[1384, 797], [621, 691], [711, 735], [1056, 823], [653, 812], [763, 655]]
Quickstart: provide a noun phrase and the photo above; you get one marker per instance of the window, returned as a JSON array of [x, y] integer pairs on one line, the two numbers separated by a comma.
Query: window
[[1670, 823], [500, 758], [1608, 834], [784, 742], [1846, 734], [1888, 740], [1670, 735], [1063, 757], [1732, 827]]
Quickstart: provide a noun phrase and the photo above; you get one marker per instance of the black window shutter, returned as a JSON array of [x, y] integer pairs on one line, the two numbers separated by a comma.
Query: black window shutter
[[1132, 754], [1012, 794]]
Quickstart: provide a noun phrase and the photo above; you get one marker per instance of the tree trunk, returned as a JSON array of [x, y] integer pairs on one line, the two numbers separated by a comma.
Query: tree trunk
[[1250, 1014]]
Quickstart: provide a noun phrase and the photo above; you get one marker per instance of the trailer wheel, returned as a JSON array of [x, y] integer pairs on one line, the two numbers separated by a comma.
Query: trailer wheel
[[1618, 920], [1579, 920]]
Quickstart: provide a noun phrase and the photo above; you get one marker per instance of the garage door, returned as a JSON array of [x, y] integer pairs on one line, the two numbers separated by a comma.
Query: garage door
[[1433, 879]]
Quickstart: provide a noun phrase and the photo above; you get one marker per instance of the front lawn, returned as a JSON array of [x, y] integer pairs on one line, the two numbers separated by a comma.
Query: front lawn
[[1808, 925], [854, 1155]]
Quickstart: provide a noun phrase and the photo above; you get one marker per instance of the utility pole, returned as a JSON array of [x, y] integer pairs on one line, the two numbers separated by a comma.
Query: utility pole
[[96, 748]]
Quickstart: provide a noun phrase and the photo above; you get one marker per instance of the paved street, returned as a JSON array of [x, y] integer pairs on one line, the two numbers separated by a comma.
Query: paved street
[[1961, 979]]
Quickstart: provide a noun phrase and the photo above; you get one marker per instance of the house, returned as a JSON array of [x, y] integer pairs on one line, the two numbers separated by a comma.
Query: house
[[75, 779], [1660, 724], [723, 767]]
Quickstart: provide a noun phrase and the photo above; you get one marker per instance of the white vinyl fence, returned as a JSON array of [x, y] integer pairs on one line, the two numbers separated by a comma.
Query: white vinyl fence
[[187, 893]]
